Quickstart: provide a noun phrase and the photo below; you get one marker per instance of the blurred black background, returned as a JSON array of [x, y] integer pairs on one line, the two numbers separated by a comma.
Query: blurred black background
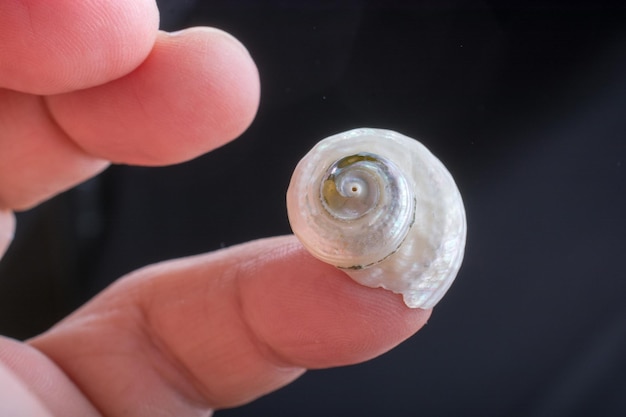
[[526, 105]]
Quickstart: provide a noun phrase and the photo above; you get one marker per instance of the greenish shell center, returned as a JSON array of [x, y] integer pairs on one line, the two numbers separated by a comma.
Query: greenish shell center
[[352, 186]]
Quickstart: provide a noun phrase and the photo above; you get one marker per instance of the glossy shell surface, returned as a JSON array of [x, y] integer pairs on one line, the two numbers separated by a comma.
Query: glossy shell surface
[[381, 207]]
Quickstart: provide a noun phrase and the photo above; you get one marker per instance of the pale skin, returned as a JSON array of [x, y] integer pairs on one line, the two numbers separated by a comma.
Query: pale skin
[[84, 84]]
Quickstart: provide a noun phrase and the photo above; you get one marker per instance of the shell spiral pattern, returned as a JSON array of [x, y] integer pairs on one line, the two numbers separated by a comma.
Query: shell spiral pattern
[[380, 206]]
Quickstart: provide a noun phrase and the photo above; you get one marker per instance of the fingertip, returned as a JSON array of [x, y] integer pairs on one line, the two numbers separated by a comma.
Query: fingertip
[[17, 398], [228, 77], [198, 89], [52, 47], [318, 317]]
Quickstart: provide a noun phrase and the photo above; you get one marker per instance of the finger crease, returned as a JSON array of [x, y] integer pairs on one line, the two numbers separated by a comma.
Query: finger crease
[[265, 349], [45, 105], [194, 391]]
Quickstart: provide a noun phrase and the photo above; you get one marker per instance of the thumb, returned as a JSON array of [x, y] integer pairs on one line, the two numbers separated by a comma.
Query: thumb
[[222, 329]]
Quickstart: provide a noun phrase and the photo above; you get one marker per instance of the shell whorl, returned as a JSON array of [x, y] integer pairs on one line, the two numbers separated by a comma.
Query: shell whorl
[[369, 197], [380, 206]]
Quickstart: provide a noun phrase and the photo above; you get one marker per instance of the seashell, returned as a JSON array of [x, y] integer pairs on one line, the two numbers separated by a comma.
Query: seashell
[[381, 207]]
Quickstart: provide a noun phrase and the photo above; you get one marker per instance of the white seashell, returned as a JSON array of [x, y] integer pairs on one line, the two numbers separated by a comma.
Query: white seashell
[[380, 206]]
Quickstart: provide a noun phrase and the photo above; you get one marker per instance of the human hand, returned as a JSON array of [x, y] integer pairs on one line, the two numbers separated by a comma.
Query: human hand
[[86, 83]]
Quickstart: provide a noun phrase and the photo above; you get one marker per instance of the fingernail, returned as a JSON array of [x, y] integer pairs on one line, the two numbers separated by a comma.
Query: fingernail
[[213, 31], [233, 40]]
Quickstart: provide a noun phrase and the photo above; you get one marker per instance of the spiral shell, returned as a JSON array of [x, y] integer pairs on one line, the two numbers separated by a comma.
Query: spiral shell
[[381, 207]]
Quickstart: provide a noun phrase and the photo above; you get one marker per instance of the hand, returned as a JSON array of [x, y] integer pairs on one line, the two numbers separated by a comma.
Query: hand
[[86, 83]]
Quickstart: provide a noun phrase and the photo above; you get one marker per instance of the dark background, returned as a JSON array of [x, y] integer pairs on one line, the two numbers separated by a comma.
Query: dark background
[[526, 105]]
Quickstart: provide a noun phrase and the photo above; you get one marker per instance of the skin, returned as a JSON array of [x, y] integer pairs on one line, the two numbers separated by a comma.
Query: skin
[[84, 84]]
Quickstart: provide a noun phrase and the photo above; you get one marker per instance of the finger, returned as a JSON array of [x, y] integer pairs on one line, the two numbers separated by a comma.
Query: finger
[[222, 329], [37, 159], [7, 229], [46, 385], [164, 112], [196, 90], [49, 47], [16, 399]]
